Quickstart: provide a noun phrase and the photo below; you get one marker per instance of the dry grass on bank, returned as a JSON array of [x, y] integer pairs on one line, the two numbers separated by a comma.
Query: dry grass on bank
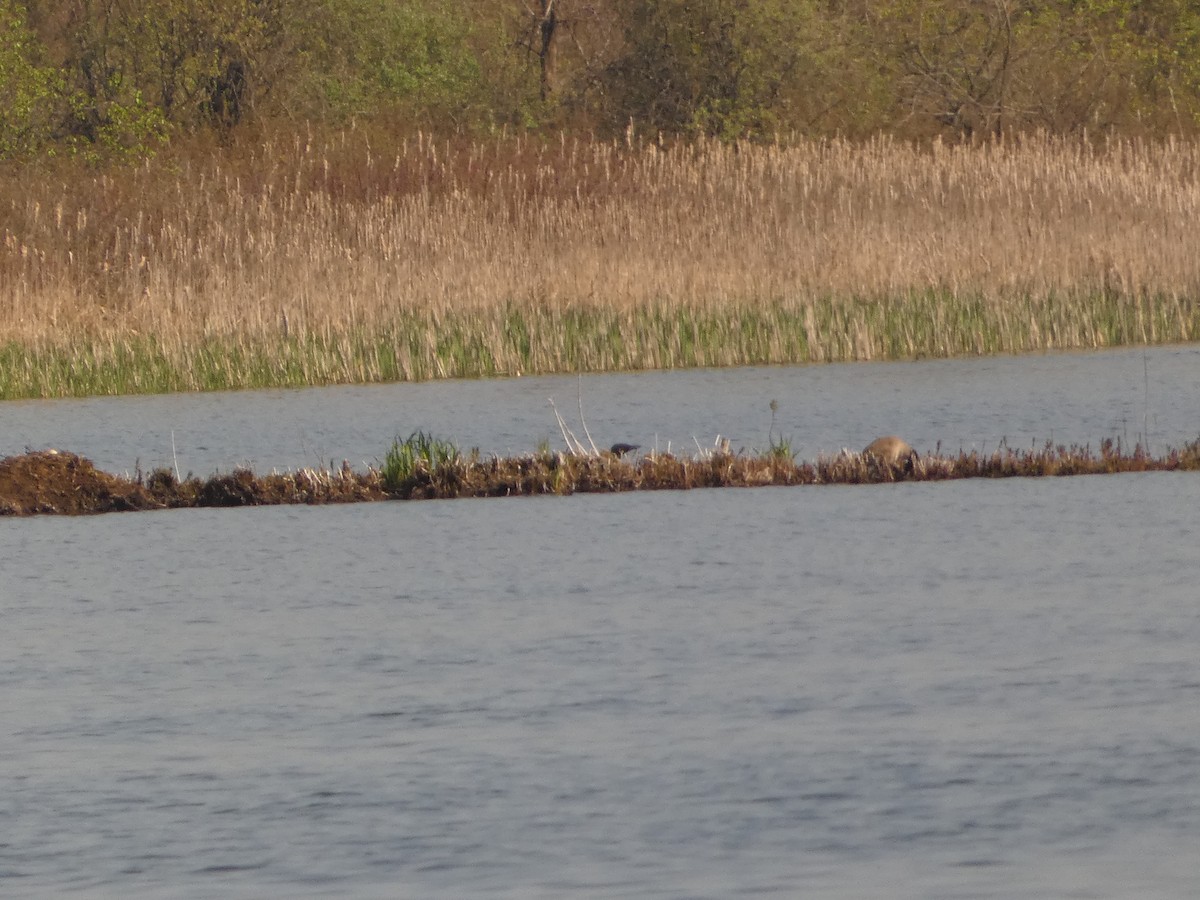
[[352, 259], [50, 482]]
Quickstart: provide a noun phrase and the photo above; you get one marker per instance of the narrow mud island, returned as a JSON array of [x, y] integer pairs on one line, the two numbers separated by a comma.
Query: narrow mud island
[[52, 482]]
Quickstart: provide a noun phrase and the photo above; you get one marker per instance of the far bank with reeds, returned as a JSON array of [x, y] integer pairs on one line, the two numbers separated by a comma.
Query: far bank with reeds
[[353, 259], [421, 468]]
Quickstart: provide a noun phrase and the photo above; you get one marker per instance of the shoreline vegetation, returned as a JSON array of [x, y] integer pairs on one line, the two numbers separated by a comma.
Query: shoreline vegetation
[[53, 482], [356, 256]]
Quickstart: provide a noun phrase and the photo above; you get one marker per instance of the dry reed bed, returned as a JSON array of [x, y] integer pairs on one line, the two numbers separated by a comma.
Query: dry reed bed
[[350, 259], [51, 482]]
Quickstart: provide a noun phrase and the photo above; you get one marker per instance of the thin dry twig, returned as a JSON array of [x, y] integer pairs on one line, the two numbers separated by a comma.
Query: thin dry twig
[[574, 446]]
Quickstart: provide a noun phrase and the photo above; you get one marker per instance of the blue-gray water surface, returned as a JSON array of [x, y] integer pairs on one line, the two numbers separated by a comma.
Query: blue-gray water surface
[[1152, 396], [970, 689]]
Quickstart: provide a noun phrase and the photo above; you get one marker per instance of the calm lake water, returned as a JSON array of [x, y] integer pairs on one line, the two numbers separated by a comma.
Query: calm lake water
[[967, 689], [1151, 395]]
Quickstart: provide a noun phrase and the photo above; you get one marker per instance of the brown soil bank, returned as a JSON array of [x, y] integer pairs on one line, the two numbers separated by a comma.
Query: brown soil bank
[[52, 482]]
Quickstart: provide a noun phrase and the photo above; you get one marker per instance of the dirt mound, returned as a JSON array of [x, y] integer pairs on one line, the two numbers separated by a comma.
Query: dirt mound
[[52, 482]]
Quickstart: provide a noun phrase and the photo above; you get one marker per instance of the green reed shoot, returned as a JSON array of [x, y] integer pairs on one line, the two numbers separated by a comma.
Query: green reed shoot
[[418, 454]]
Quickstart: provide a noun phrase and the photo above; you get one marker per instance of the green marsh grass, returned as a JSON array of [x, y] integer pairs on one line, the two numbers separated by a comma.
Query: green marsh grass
[[360, 257], [419, 457]]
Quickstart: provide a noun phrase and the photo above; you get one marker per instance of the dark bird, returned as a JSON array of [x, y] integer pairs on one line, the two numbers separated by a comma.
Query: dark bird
[[622, 449]]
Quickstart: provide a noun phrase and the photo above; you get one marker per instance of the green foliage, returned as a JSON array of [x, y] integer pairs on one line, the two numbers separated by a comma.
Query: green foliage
[[419, 454], [28, 91], [116, 79], [177, 51], [780, 449], [128, 130], [1060, 65], [722, 68], [364, 57], [425, 63]]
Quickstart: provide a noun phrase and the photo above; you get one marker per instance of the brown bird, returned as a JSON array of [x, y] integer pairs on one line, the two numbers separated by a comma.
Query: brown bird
[[892, 451]]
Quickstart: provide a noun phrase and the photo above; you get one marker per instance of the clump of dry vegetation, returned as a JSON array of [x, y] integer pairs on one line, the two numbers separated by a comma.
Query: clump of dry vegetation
[[357, 258], [52, 482]]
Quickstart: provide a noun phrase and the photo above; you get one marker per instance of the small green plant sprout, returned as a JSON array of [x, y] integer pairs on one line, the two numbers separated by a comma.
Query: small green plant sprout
[[419, 453], [778, 448], [781, 450], [543, 449]]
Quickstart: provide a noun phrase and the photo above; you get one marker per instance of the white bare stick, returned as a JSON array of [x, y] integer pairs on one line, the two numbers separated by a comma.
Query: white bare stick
[[583, 422], [573, 445], [562, 426]]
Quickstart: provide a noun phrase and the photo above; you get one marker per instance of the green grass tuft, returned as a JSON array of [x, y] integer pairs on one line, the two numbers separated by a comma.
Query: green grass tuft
[[420, 455]]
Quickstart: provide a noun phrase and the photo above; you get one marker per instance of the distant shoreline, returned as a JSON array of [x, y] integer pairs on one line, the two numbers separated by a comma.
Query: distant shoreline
[[599, 340], [297, 264]]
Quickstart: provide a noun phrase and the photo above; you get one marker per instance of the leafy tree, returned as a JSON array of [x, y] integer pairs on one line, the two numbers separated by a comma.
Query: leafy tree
[[176, 51], [29, 91], [718, 67], [139, 66], [117, 77], [1158, 42], [415, 56], [1063, 65]]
